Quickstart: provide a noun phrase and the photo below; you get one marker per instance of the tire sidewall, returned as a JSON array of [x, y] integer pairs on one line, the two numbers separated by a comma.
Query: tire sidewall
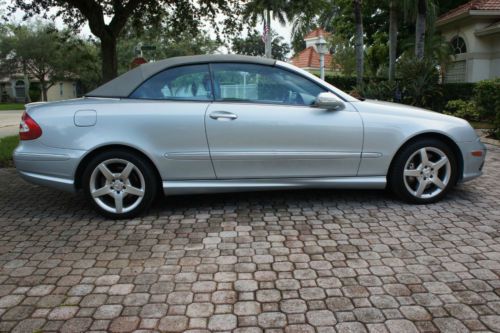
[[144, 167], [396, 180]]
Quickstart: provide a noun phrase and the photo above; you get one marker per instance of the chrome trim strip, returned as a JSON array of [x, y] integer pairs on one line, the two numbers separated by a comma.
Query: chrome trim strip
[[41, 157], [213, 186], [371, 155], [188, 156], [261, 155]]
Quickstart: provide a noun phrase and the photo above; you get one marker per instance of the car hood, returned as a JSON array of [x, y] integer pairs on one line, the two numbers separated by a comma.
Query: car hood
[[413, 120], [388, 108]]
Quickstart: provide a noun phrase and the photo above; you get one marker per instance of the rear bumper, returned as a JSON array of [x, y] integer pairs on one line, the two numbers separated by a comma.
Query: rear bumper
[[473, 165], [47, 166], [44, 180]]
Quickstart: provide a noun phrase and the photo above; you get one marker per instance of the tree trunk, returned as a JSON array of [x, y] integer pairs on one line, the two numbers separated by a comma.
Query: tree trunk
[[26, 80], [393, 39], [27, 98], [44, 93], [358, 19], [420, 29], [269, 53], [43, 88], [109, 58]]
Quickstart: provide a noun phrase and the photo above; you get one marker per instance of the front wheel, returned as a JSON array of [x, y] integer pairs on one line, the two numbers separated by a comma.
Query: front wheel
[[119, 184], [424, 171]]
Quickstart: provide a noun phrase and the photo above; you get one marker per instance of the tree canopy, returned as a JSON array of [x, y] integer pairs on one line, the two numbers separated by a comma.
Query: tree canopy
[[252, 45], [164, 43], [178, 15], [46, 54]]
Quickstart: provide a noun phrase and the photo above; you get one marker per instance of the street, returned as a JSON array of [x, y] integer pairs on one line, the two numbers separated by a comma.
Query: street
[[9, 122]]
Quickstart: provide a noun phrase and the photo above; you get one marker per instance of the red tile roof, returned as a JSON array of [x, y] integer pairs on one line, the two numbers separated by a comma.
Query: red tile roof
[[309, 58], [316, 33], [471, 5]]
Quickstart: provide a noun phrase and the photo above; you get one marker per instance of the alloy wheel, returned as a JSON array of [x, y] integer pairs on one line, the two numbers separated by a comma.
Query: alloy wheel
[[427, 173], [117, 185]]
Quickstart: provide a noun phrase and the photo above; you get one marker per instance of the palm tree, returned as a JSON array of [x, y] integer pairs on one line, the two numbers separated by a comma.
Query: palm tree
[[301, 25], [358, 20], [310, 15], [424, 12], [393, 37], [420, 29], [261, 9]]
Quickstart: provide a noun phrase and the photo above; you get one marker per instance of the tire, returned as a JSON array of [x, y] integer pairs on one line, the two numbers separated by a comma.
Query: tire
[[119, 184], [416, 180]]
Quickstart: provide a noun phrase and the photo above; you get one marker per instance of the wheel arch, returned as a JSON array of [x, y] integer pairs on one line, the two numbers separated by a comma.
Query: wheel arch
[[432, 135], [85, 160]]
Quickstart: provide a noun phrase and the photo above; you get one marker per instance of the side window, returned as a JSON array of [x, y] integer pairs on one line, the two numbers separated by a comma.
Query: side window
[[262, 84], [179, 83]]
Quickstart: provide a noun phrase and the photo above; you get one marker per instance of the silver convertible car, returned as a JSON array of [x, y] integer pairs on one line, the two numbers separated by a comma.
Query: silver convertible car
[[205, 124]]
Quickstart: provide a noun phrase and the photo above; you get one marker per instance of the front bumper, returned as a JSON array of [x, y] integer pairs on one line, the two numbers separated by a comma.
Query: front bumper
[[47, 166], [473, 165]]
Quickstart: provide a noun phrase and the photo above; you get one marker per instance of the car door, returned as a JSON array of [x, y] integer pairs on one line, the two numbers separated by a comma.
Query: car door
[[169, 110], [262, 125]]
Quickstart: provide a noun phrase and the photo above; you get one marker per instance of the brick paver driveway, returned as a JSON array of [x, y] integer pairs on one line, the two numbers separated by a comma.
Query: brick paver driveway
[[310, 261]]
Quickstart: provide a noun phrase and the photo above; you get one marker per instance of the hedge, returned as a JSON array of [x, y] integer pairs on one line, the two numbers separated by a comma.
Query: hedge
[[345, 83], [484, 95], [449, 91], [456, 91]]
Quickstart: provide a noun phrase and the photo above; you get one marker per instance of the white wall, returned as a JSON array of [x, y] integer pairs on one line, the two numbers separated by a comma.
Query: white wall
[[61, 90], [483, 53]]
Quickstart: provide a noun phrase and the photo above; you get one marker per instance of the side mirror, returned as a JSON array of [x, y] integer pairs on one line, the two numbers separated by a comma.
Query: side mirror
[[329, 101]]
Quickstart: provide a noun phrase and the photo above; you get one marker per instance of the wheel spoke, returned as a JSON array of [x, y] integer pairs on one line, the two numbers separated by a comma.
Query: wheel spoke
[[441, 163], [119, 202], [126, 171], [421, 188], [105, 171], [102, 191], [423, 156], [438, 182], [134, 191], [412, 173]]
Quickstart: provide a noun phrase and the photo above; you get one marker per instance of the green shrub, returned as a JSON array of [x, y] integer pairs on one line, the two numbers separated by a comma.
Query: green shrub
[[344, 83], [496, 123], [382, 90], [7, 146], [419, 81], [487, 97], [456, 91], [463, 109], [451, 92], [35, 93]]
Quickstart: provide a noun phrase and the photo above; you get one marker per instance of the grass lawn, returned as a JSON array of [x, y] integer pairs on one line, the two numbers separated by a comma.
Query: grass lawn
[[11, 106], [7, 146]]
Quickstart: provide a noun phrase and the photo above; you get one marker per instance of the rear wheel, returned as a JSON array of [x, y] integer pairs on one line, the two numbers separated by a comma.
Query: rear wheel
[[119, 184], [424, 171]]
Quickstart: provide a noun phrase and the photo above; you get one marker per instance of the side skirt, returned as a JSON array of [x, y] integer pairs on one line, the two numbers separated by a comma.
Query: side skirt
[[242, 185]]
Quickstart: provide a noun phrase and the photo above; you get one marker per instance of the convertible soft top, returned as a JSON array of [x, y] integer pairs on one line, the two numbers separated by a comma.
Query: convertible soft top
[[125, 84]]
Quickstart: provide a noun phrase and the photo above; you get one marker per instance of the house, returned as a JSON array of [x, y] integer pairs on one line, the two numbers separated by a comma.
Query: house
[[14, 88], [308, 58], [473, 29]]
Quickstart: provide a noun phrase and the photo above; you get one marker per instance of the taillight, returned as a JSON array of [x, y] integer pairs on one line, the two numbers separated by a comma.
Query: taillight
[[28, 128]]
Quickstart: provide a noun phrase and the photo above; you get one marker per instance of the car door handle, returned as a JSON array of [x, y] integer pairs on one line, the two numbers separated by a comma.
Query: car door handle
[[223, 115]]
